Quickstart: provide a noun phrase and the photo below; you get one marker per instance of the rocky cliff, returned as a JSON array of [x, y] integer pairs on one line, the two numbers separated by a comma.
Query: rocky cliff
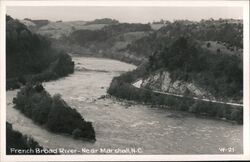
[[161, 81]]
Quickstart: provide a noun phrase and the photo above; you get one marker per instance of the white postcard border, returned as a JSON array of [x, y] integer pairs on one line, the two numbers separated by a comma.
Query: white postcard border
[[246, 149]]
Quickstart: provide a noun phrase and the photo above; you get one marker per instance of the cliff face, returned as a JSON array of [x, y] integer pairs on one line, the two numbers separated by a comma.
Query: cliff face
[[161, 81]]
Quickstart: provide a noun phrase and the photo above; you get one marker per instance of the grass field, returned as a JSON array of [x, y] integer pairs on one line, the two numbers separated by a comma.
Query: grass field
[[59, 29], [220, 48]]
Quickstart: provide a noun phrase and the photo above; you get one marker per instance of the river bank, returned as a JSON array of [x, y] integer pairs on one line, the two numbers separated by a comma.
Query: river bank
[[120, 125], [126, 87]]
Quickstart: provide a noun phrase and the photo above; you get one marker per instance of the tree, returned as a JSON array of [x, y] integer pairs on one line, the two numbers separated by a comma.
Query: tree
[[208, 44], [218, 51]]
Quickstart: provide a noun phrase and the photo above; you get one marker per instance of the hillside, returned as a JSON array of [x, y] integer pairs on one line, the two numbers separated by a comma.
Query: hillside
[[110, 41], [224, 31], [209, 63], [15, 139], [134, 43], [59, 29], [204, 73], [30, 56], [185, 64], [100, 38], [34, 25]]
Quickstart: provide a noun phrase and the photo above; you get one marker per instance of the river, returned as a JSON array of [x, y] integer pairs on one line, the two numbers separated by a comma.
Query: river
[[121, 125]]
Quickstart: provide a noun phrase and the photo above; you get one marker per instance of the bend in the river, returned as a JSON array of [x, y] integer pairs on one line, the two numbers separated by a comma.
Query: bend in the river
[[121, 125]]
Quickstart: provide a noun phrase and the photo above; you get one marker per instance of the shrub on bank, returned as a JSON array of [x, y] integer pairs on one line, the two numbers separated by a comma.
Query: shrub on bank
[[52, 112]]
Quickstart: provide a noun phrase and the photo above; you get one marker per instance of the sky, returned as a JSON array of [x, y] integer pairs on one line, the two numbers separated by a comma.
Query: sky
[[124, 14]]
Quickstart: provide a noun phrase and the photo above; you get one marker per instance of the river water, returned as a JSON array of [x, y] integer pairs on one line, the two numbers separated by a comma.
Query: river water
[[120, 125]]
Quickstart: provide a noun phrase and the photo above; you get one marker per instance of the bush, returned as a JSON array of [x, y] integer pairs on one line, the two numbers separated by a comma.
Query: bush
[[237, 115], [221, 111], [77, 133]]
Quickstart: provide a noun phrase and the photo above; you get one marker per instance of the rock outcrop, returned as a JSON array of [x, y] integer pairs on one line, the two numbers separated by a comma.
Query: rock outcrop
[[162, 81]]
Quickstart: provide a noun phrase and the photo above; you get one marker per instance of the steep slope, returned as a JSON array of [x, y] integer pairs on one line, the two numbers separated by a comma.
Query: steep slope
[[162, 82], [188, 73], [30, 56], [184, 67], [34, 25], [224, 31], [16, 140], [110, 41], [108, 38], [60, 29]]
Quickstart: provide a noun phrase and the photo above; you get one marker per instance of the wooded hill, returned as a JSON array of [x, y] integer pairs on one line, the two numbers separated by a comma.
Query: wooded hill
[[208, 53], [134, 43], [30, 57]]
